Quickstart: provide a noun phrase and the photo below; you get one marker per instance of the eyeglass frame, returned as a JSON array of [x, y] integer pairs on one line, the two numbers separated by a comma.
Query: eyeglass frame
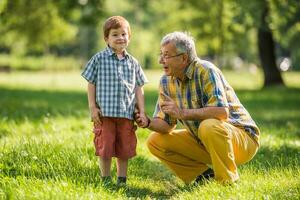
[[168, 57]]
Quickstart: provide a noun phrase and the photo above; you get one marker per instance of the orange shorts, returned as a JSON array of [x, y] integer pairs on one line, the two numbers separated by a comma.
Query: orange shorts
[[115, 137]]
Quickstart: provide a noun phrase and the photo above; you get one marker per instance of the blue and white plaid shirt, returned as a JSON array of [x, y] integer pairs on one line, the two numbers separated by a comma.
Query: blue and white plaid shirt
[[115, 81]]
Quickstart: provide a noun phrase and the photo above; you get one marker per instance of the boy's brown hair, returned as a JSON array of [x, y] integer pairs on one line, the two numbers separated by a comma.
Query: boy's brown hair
[[115, 22]]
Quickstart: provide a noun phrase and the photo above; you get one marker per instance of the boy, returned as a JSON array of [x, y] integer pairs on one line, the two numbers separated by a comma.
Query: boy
[[115, 81]]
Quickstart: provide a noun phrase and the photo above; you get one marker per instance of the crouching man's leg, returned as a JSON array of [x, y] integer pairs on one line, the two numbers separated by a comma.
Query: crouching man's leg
[[228, 146], [180, 152]]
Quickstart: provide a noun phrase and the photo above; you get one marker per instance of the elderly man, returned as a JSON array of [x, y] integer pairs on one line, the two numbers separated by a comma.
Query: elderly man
[[219, 133]]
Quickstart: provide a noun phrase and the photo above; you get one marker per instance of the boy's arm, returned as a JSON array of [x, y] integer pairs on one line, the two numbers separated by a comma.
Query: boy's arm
[[139, 95], [140, 101], [94, 110]]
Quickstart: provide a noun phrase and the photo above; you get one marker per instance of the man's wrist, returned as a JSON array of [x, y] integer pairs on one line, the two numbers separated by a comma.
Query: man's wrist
[[182, 114]]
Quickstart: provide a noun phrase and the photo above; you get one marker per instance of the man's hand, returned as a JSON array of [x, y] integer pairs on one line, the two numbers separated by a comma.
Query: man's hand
[[96, 115], [170, 107]]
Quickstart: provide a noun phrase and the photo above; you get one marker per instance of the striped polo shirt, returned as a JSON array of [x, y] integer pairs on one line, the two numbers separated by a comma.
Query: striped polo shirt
[[204, 85], [115, 80]]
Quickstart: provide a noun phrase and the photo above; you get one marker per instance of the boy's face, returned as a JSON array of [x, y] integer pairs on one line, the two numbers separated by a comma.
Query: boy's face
[[118, 39]]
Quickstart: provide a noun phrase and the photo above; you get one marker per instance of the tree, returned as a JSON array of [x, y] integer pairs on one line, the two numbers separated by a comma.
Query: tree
[[264, 15], [231, 24], [266, 49], [220, 32], [38, 25], [285, 17], [33, 24]]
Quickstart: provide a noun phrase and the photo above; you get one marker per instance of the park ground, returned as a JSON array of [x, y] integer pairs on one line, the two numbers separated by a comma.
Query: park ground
[[46, 149]]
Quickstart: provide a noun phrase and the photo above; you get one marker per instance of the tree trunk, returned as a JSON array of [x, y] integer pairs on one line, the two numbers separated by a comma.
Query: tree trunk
[[267, 52]]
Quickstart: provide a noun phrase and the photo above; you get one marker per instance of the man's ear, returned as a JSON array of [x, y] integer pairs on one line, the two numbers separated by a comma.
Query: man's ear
[[185, 58]]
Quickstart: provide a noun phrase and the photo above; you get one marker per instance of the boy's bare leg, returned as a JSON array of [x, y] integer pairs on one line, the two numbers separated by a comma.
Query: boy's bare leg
[[105, 164], [122, 171], [122, 167]]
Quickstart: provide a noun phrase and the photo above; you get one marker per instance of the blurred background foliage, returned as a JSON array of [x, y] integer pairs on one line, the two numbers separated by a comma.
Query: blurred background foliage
[[235, 34]]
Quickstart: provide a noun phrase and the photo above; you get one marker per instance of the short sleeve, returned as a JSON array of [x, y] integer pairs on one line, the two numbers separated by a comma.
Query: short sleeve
[[213, 89], [90, 70], [141, 78]]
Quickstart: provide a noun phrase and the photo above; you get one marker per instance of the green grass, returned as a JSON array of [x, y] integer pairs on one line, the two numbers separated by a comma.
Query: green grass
[[10, 62], [46, 149]]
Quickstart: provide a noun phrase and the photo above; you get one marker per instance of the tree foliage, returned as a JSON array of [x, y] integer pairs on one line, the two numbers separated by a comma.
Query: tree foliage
[[285, 23], [276, 22], [34, 24], [223, 29]]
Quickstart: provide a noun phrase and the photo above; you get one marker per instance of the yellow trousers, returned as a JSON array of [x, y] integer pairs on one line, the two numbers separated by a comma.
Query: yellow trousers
[[224, 146]]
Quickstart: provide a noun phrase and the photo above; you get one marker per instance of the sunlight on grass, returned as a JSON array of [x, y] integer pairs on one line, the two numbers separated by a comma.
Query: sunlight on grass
[[46, 143], [72, 80], [65, 80]]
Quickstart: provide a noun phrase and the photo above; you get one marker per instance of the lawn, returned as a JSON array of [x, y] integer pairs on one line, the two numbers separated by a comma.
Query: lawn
[[46, 149]]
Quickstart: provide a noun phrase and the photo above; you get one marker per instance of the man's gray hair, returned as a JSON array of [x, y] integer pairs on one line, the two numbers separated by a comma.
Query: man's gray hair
[[183, 42]]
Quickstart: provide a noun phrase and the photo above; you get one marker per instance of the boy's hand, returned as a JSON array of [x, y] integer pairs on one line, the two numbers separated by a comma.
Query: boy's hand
[[96, 115], [141, 119]]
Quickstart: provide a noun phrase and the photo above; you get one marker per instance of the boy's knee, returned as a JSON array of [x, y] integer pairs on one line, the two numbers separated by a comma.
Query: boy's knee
[[208, 128]]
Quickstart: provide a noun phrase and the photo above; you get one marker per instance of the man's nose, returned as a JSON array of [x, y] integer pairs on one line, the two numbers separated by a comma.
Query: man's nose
[[161, 60]]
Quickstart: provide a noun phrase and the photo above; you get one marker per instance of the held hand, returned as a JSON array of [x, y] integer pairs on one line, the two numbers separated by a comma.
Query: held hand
[[141, 119], [144, 120], [170, 107], [96, 115]]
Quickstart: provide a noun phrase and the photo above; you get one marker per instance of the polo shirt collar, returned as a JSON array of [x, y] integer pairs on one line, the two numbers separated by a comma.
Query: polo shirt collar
[[189, 71]]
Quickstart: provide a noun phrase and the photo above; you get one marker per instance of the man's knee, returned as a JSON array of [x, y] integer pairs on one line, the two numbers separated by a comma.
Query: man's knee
[[154, 141], [208, 128]]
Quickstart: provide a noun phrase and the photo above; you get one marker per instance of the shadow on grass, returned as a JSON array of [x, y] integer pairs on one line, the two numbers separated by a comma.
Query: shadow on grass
[[143, 168], [34, 105], [133, 192], [282, 157], [18, 104], [270, 100], [142, 193]]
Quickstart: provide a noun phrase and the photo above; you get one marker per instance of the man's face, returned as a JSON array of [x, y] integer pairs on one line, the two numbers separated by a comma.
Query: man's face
[[173, 63], [118, 39]]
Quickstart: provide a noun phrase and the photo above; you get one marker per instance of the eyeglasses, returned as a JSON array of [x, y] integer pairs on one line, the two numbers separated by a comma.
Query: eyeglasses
[[165, 57]]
